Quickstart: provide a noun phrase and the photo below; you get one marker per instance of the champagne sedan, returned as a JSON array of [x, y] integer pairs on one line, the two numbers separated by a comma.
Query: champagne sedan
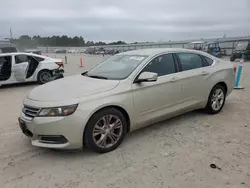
[[125, 92]]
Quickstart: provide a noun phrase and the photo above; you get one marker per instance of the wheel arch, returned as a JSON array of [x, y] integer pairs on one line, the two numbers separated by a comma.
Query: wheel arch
[[117, 107], [222, 84], [44, 69], [208, 108]]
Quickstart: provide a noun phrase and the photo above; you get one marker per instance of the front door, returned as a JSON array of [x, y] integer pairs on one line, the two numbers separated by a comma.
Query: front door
[[5, 68], [154, 100], [20, 67]]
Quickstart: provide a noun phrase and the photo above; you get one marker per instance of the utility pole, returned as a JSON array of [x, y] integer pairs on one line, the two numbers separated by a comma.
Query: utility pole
[[10, 34]]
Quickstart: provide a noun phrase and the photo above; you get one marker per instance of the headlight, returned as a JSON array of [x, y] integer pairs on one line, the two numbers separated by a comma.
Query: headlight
[[58, 111]]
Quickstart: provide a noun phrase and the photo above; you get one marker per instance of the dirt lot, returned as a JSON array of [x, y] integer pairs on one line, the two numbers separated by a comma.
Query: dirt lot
[[173, 154]]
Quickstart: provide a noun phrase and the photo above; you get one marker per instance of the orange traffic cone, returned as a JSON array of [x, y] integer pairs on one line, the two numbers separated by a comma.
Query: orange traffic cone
[[81, 62]]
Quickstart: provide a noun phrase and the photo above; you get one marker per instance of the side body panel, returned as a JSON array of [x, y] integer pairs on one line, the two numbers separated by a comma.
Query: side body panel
[[154, 100]]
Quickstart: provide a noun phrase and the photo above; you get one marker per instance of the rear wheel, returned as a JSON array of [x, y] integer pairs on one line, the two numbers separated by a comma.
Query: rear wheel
[[232, 58], [105, 130], [219, 55], [216, 99], [44, 76]]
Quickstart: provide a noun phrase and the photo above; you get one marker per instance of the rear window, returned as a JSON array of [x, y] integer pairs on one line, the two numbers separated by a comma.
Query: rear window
[[208, 60], [242, 45], [39, 59], [190, 61]]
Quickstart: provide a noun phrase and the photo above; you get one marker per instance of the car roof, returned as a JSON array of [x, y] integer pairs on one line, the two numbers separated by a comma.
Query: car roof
[[156, 51], [21, 53]]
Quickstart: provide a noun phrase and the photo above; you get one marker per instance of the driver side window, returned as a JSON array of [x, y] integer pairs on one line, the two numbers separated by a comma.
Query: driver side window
[[162, 65]]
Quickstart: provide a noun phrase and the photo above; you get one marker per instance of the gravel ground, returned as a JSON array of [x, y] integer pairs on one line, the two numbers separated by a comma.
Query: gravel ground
[[172, 154]]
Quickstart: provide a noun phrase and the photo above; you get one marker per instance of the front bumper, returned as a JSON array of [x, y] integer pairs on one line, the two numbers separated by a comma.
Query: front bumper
[[54, 132]]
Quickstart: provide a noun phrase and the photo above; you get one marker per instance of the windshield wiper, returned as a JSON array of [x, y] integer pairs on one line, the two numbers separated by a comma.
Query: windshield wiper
[[94, 76], [98, 77], [85, 73]]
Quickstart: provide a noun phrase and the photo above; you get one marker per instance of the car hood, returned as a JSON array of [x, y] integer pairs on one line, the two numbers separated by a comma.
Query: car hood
[[71, 87]]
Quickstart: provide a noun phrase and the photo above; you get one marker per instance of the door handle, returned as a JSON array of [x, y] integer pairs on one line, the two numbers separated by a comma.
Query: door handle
[[204, 73], [174, 79]]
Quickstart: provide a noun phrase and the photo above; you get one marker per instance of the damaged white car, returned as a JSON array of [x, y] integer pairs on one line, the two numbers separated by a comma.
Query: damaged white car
[[27, 67]]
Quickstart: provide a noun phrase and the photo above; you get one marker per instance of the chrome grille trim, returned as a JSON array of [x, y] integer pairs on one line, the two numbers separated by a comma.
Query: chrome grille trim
[[30, 111]]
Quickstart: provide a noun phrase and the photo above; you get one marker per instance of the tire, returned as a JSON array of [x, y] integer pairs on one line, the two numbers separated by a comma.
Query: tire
[[97, 124], [40, 80], [232, 58], [215, 103], [59, 77], [219, 55]]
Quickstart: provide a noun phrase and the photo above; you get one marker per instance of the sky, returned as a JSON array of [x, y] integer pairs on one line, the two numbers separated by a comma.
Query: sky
[[127, 20]]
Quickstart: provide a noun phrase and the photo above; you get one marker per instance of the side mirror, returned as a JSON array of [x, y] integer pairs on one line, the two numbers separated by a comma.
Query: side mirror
[[147, 77]]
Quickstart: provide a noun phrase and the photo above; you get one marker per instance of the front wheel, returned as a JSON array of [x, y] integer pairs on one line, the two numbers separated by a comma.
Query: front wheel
[[216, 99], [105, 130], [44, 76]]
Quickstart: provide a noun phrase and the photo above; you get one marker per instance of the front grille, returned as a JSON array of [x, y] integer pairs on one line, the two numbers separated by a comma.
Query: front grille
[[30, 111]]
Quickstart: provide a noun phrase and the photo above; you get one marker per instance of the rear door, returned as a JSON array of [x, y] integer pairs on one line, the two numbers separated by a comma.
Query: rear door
[[193, 78], [20, 67]]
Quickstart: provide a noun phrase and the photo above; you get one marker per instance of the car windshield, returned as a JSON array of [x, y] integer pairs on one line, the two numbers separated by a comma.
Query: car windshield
[[241, 45], [117, 67]]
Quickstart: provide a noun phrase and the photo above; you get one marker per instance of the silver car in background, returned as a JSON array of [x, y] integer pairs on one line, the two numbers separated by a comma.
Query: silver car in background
[[125, 92]]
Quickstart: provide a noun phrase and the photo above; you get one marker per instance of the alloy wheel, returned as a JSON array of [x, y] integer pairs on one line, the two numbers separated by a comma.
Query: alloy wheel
[[107, 131], [217, 99], [45, 77]]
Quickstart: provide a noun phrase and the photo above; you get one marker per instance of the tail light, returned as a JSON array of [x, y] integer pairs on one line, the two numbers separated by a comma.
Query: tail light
[[60, 64]]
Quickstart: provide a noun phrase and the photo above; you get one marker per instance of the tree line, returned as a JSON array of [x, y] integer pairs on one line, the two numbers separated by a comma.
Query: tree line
[[64, 40]]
